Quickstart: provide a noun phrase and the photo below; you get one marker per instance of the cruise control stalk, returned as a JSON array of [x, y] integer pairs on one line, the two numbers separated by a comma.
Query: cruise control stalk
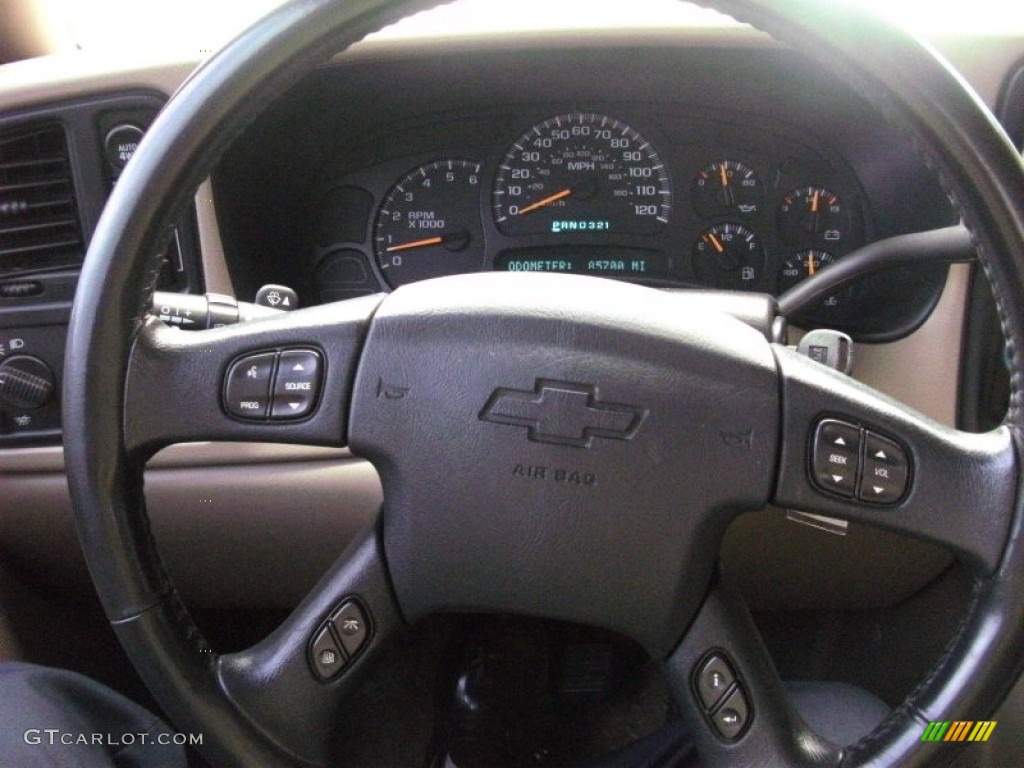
[[210, 310]]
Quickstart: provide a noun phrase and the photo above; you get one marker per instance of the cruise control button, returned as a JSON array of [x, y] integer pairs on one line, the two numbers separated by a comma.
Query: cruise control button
[[886, 470], [297, 387], [328, 660], [351, 625], [732, 717], [247, 386], [836, 454], [714, 680]]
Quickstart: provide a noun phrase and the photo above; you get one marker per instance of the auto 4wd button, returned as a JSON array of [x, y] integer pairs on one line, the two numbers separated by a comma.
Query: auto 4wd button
[[886, 471], [297, 387]]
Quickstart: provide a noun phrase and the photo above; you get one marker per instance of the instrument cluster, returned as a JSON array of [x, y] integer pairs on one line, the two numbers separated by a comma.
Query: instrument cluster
[[664, 200]]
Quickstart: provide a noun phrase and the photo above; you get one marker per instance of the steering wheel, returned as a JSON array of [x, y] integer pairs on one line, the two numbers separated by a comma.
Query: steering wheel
[[556, 446]]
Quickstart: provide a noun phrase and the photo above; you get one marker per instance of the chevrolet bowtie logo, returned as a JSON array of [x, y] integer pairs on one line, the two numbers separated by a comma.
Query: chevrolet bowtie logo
[[563, 413]]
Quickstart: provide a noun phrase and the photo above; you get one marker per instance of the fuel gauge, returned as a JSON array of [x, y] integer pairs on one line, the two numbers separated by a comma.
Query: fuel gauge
[[727, 187], [729, 257]]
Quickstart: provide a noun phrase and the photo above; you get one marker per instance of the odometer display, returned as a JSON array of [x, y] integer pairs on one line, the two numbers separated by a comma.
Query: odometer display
[[619, 262], [581, 174]]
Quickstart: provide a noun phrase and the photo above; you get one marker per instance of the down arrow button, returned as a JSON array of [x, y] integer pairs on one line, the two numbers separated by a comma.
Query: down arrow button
[[297, 387]]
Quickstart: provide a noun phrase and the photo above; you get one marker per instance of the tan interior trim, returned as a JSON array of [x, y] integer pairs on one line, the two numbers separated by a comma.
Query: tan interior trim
[[932, 385]]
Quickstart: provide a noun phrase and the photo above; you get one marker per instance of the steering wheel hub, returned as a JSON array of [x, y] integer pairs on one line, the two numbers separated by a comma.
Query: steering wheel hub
[[536, 433], [548, 445]]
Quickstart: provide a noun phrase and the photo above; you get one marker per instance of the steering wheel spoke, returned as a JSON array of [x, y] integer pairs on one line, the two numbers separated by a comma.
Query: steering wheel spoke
[[731, 696], [545, 449], [284, 379], [294, 683], [852, 453]]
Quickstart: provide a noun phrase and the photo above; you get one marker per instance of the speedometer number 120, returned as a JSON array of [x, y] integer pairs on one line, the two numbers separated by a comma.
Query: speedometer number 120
[[581, 173]]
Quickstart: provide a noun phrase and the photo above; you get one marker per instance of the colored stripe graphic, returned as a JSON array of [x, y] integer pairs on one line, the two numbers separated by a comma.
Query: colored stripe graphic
[[958, 730], [982, 730]]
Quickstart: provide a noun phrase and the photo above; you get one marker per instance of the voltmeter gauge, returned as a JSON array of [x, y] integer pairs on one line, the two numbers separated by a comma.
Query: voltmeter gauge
[[813, 214], [727, 187], [429, 223], [730, 257]]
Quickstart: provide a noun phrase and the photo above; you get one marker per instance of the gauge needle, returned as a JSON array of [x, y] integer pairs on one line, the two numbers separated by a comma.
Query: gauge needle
[[812, 266], [814, 201], [545, 201], [725, 178], [415, 244], [719, 248]]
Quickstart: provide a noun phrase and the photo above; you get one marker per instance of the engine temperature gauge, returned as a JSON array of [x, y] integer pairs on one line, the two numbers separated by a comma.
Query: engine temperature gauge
[[805, 263]]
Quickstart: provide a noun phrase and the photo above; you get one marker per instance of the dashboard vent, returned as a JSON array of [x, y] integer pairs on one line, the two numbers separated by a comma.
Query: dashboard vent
[[39, 225]]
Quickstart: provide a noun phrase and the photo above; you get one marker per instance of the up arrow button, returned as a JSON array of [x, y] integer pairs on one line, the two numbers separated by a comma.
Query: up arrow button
[[297, 386]]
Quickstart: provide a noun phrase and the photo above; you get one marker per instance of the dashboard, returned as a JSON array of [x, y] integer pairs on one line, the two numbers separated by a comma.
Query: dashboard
[[680, 168], [672, 161], [301, 197]]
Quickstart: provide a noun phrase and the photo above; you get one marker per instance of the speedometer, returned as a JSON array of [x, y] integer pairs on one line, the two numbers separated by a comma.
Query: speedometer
[[581, 173]]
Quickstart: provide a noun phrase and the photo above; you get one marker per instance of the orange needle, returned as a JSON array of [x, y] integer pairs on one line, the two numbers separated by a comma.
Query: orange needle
[[545, 201], [814, 202], [725, 179], [811, 266], [415, 244], [719, 248]]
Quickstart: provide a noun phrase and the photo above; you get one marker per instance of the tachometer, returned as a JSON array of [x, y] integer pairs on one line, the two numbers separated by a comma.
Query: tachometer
[[581, 173], [429, 223]]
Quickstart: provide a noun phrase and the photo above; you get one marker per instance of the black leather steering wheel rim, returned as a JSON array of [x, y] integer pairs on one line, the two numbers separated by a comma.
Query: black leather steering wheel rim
[[901, 76]]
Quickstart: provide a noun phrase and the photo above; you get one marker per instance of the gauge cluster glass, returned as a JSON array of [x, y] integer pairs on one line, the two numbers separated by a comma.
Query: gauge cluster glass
[[429, 223], [585, 192], [581, 172]]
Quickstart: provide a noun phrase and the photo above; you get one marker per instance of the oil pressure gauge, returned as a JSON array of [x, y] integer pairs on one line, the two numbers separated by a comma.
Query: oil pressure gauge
[[727, 187]]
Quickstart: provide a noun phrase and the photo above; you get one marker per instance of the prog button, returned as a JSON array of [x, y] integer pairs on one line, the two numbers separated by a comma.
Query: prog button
[[247, 386]]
